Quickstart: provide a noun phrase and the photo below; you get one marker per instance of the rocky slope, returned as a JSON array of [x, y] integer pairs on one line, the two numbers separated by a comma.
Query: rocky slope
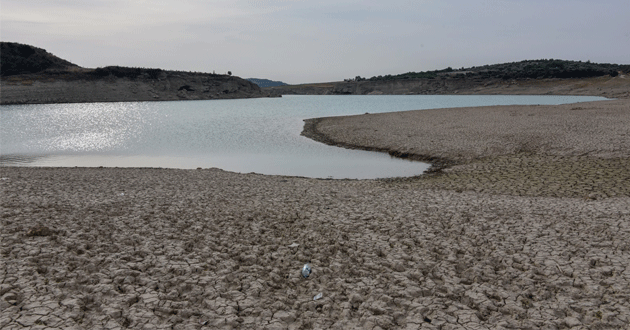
[[168, 86], [31, 81]]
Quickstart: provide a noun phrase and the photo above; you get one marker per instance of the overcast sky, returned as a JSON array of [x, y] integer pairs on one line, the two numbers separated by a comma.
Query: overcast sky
[[316, 41]]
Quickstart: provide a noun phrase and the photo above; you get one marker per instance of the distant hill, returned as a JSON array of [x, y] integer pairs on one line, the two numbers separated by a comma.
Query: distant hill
[[18, 58], [557, 77], [32, 75], [532, 69], [265, 82]]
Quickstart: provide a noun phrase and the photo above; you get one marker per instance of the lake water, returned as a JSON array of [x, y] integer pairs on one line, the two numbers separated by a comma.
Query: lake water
[[246, 135]]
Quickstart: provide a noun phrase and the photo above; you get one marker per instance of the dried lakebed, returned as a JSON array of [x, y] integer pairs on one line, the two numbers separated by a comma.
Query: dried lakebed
[[483, 244]]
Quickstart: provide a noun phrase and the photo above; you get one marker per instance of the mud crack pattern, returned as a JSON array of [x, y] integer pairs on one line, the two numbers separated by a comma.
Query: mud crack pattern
[[195, 249]]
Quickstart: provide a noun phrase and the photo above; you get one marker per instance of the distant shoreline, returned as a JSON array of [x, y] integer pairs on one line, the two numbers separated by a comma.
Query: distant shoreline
[[168, 86], [606, 86], [176, 86]]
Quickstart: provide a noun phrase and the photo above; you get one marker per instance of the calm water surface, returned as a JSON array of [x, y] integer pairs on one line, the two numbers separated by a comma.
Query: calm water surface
[[248, 135]]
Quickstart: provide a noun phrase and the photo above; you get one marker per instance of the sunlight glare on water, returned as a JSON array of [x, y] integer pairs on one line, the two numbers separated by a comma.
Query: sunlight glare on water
[[84, 127]]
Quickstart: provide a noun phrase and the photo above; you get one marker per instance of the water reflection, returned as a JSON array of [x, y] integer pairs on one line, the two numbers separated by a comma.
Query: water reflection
[[20, 160]]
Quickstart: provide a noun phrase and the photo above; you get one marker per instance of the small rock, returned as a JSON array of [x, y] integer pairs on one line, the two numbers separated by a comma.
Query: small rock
[[4, 288], [284, 316], [9, 296], [398, 266], [572, 322], [356, 300]]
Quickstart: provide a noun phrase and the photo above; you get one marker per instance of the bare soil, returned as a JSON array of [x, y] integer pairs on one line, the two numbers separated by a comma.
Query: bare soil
[[527, 227]]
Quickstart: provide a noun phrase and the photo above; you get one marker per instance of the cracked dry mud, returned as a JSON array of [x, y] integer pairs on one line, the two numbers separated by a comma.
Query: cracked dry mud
[[204, 249]]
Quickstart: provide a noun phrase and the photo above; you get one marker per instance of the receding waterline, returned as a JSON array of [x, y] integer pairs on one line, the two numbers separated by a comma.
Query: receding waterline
[[248, 135]]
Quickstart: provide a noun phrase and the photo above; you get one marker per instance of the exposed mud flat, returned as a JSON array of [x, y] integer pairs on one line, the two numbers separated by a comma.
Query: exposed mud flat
[[571, 150], [595, 129], [151, 248], [510, 237]]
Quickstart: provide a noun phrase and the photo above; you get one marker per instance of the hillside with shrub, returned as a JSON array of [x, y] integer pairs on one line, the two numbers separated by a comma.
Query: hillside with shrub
[[18, 58], [21, 59], [556, 77], [32, 75], [531, 69]]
